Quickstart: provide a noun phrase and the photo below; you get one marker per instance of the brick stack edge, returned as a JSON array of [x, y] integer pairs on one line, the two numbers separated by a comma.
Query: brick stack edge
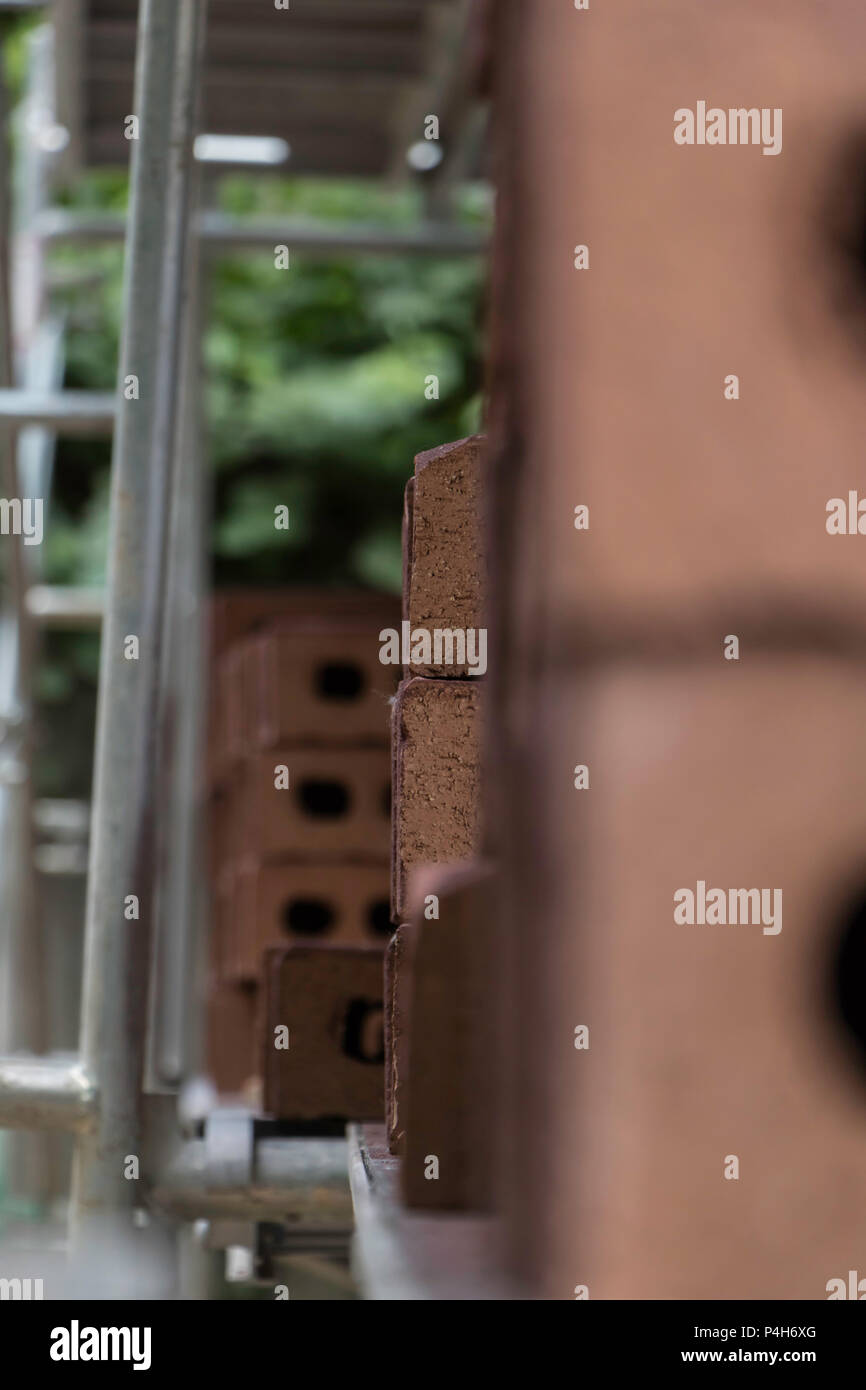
[[434, 964], [296, 682]]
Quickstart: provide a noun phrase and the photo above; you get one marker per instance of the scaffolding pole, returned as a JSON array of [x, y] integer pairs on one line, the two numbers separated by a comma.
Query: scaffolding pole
[[120, 906]]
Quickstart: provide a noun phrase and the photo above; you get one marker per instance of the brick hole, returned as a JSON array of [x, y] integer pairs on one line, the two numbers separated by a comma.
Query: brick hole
[[848, 976], [325, 800], [307, 916], [379, 917], [386, 800], [339, 680], [842, 230], [364, 1031]]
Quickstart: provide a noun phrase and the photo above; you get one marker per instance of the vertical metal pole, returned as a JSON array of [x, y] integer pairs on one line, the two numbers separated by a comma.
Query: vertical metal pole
[[17, 899], [180, 878], [22, 1006], [117, 943]]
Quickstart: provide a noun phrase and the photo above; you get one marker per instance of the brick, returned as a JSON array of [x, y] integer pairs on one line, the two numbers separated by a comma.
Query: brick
[[283, 668], [322, 683], [337, 803], [397, 1005], [330, 999], [222, 859], [238, 613], [233, 1049], [277, 903], [232, 717], [705, 1040], [694, 500], [436, 741], [406, 538], [447, 1079], [445, 559]]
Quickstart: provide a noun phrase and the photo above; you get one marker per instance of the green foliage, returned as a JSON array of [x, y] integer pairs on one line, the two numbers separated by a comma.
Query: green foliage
[[314, 385]]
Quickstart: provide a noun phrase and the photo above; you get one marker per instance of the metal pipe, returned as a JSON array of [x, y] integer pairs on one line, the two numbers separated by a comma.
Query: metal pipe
[[120, 901], [220, 232], [297, 1179], [175, 1007], [45, 1093], [87, 413], [22, 1001], [59, 605]]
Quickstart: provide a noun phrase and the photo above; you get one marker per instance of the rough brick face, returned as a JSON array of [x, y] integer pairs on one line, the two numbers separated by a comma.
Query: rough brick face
[[445, 563], [397, 1015], [436, 739]]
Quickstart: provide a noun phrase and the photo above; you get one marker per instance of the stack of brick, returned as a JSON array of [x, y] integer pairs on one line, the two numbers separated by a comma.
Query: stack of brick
[[432, 981], [300, 805]]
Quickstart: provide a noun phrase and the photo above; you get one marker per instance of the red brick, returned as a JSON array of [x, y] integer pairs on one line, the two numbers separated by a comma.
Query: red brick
[[705, 1040], [447, 1077], [445, 544], [397, 1005], [330, 999], [238, 613], [351, 785], [436, 741], [233, 1049], [728, 262], [293, 666], [270, 897]]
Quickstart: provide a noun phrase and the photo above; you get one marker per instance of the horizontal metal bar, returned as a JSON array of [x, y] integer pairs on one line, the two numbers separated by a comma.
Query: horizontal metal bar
[[57, 605], [295, 1179], [65, 861], [67, 818], [221, 232], [66, 412], [45, 1093]]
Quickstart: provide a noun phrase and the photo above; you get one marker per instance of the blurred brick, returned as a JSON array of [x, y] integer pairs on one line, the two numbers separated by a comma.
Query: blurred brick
[[234, 691], [447, 1075], [436, 741], [276, 904], [238, 613], [330, 999], [444, 555], [222, 863], [337, 803], [705, 1040], [728, 262], [322, 683], [233, 1024]]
